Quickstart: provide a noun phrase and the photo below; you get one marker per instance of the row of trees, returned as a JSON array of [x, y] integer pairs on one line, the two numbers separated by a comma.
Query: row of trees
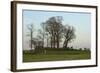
[[54, 31]]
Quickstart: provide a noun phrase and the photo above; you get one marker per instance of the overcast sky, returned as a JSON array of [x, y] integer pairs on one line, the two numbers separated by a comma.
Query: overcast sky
[[80, 21]]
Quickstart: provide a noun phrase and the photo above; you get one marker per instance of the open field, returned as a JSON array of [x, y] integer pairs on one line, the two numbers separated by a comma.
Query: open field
[[54, 56]]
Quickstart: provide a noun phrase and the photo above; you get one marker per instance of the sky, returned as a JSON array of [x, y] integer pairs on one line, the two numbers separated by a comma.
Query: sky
[[79, 20]]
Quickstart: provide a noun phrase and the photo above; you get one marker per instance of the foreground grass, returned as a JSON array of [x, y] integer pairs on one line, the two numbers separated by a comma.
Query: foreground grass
[[67, 55]]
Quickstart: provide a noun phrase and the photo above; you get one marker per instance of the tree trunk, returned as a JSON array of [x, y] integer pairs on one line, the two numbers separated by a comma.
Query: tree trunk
[[58, 41], [54, 42], [31, 40], [47, 42], [65, 45], [51, 42]]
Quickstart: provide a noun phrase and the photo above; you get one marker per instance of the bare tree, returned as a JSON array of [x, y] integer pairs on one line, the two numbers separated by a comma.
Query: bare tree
[[40, 36], [54, 29], [31, 29], [41, 33], [47, 39], [69, 35], [58, 29]]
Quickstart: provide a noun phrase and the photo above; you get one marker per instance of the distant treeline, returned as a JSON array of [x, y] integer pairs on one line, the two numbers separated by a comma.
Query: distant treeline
[[48, 50]]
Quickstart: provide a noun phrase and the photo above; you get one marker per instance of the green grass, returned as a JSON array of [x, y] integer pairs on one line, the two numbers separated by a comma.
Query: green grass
[[63, 55]]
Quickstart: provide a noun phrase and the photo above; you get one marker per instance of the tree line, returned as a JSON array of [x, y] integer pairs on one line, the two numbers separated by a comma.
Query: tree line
[[53, 31]]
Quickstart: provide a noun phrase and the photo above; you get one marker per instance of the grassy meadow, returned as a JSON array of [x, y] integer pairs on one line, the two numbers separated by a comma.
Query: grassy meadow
[[29, 56]]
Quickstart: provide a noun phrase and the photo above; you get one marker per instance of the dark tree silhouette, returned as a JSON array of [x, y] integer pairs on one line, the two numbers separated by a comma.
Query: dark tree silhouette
[[54, 29], [41, 33], [31, 29], [69, 35], [40, 36], [47, 39]]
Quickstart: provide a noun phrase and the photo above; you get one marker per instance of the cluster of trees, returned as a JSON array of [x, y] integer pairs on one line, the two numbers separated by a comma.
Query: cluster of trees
[[53, 31]]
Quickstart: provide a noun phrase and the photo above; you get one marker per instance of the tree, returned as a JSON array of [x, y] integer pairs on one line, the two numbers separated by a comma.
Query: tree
[[47, 37], [69, 35], [58, 29], [41, 33], [54, 29], [40, 36], [31, 29]]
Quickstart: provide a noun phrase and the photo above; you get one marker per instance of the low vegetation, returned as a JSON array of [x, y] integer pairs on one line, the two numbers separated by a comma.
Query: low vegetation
[[55, 55]]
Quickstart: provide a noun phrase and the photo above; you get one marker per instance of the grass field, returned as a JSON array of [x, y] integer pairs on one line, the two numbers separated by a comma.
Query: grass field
[[63, 55]]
